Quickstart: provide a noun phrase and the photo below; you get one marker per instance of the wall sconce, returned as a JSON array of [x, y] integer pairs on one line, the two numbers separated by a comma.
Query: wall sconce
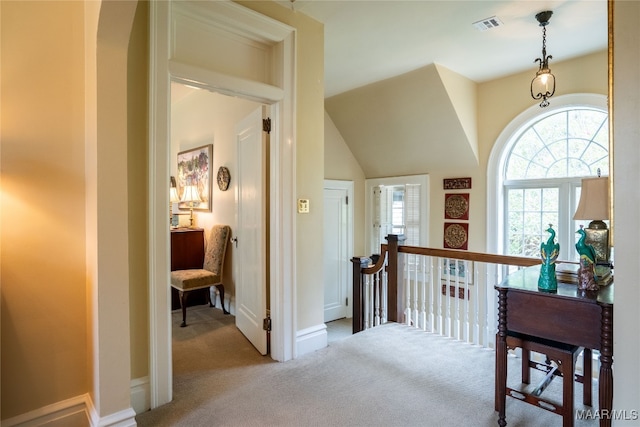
[[191, 197], [594, 206], [543, 85]]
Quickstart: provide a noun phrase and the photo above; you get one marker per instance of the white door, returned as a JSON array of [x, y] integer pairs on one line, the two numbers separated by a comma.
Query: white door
[[250, 254], [337, 251]]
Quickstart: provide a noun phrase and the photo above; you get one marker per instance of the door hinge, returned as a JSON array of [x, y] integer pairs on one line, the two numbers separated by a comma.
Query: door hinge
[[266, 324], [347, 302], [346, 199], [266, 125]]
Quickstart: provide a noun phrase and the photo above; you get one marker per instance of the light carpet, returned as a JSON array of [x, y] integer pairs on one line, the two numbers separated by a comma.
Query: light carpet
[[392, 375]]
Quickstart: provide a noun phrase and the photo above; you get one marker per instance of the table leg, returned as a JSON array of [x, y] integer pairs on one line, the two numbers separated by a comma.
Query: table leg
[[606, 372], [501, 359], [586, 377]]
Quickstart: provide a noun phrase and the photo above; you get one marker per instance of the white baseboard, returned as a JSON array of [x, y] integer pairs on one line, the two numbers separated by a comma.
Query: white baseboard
[[140, 395], [53, 414], [73, 411], [311, 339], [124, 418]]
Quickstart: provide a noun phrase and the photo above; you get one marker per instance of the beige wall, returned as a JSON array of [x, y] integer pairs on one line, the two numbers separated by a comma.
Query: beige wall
[[44, 319], [58, 329], [137, 170], [626, 175]]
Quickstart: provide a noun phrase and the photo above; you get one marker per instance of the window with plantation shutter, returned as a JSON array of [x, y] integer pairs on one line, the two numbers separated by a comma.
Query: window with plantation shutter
[[412, 214], [398, 206], [379, 217]]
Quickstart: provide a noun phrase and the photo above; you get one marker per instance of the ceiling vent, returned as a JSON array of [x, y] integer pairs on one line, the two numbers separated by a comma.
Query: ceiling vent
[[487, 23]]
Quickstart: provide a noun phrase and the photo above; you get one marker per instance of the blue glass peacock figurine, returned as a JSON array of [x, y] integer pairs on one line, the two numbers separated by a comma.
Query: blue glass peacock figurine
[[587, 269], [549, 251]]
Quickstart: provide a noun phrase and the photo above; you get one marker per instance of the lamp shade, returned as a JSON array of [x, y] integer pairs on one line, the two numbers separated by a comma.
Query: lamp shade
[[173, 195], [543, 84], [594, 199], [190, 194]]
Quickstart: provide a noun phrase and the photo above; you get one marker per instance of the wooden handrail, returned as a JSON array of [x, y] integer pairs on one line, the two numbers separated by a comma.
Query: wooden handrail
[[475, 256], [389, 260]]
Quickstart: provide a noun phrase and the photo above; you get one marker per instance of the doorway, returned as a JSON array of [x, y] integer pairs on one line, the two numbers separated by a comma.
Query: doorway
[[203, 118], [175, 46], [338, 249]]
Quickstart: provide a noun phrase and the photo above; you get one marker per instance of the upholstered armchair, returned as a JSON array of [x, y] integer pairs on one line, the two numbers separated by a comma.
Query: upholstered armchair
[[186, 281]]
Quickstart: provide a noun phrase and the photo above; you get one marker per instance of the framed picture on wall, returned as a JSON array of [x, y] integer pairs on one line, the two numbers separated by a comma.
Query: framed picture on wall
[[194, 178], [457, 270]]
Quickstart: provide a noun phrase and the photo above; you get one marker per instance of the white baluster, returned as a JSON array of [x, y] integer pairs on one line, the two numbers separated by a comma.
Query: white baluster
[[407, 288], [434, 283], [416, 302], [476, 304], [376, 300], [439, 300], [383, 295], [423, 293], [367, 303]]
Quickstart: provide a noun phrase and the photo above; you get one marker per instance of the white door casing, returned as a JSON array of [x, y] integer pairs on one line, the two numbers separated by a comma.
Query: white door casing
[[251, 211], [338, 248], [222, 22]]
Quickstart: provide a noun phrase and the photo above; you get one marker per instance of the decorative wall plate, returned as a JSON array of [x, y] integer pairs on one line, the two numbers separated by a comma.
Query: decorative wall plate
[[223, 178], [456, 206], [456, 235]]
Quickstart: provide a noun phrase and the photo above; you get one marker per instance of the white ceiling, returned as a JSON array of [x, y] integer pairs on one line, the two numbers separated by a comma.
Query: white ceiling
[[367, 41]]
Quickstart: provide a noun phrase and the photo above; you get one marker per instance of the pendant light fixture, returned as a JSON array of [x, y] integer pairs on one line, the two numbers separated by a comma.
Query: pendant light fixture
[[543, 85]]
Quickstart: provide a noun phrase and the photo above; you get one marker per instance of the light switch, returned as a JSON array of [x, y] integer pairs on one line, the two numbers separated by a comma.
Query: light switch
[[303, 205]]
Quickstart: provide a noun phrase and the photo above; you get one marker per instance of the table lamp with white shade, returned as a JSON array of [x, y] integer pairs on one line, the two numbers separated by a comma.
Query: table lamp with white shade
[[594, 206], [191, 197]]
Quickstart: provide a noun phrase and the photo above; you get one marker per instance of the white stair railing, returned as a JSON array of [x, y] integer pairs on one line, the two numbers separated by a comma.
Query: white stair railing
[[450, 293]]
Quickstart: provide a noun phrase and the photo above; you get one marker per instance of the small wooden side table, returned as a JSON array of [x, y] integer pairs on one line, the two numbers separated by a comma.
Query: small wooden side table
[[566, 316]]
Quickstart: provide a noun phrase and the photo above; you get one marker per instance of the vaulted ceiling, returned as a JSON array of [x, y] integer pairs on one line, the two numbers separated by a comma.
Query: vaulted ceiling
[[400, 76], [409, 124]]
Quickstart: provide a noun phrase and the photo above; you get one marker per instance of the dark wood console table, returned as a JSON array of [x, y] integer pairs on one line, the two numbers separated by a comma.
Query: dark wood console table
[[566, 316], [187, 252]]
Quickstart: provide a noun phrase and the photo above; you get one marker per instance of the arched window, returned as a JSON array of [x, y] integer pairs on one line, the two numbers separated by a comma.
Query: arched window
[[543, 156]]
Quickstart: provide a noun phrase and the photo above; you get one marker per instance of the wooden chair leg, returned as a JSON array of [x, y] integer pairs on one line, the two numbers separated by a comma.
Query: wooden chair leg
[[211, 303], [183, 306], [526, 357], [564, 356], [221, 290]]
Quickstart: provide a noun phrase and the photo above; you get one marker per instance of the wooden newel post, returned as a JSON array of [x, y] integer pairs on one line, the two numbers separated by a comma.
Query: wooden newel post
[[358, 298], [395, 292]]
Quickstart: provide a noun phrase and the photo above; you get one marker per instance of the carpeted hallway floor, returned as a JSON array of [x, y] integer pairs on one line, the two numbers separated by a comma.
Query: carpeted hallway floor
[[397, 376]]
